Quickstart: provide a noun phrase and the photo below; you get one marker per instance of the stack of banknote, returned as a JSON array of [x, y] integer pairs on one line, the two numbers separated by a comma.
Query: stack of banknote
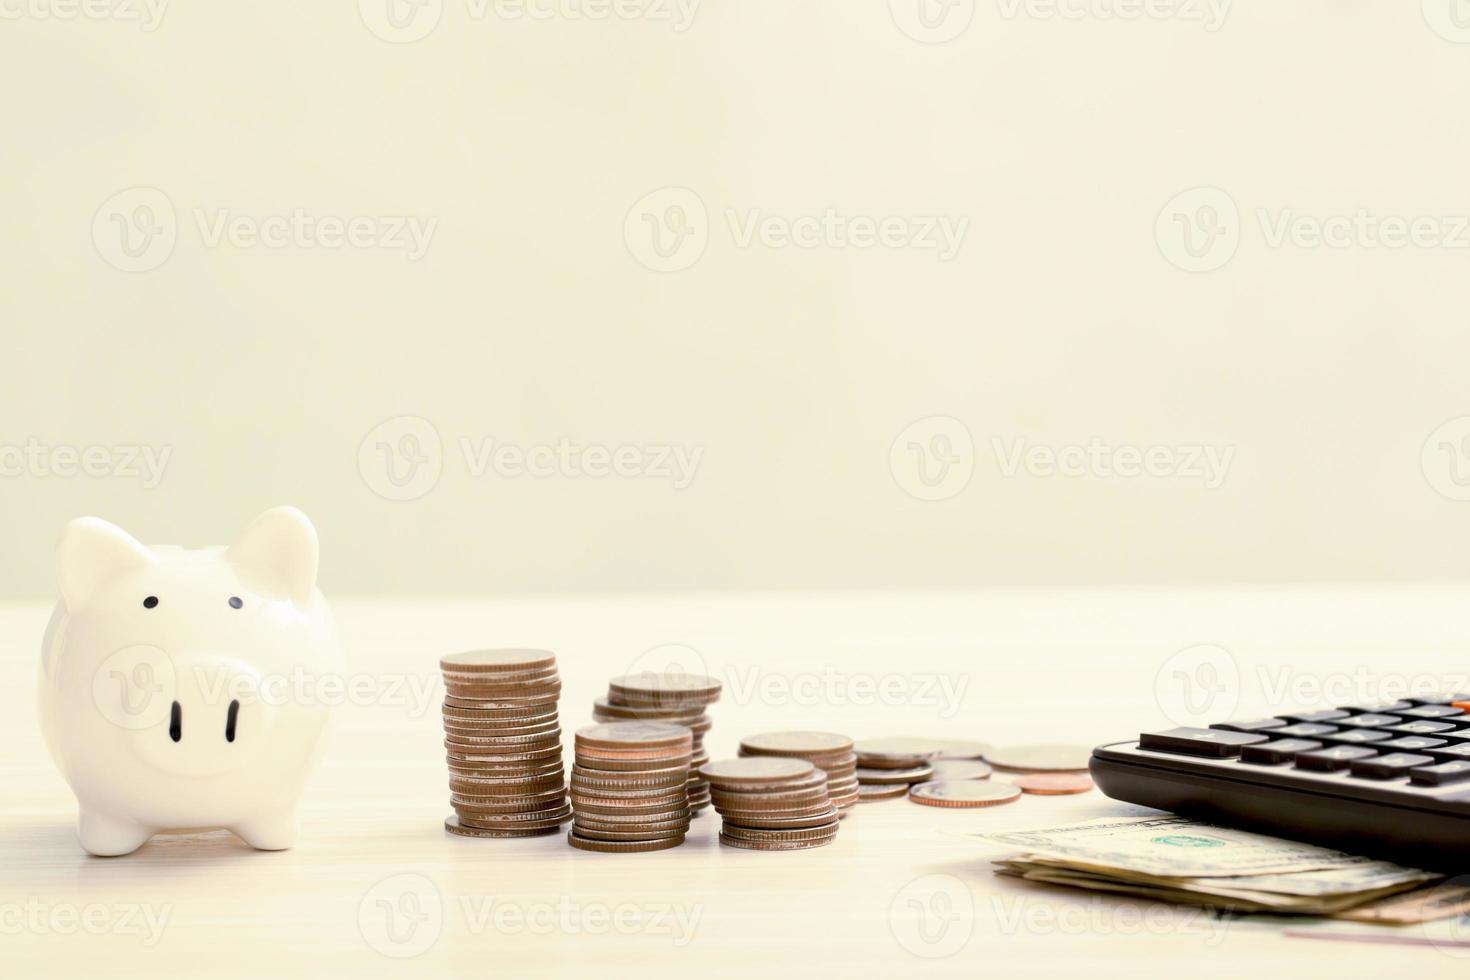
[[1176, 859]]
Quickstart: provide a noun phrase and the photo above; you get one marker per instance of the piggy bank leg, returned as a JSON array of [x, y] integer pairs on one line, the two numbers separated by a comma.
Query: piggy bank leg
[[109, 837], [272, 832]]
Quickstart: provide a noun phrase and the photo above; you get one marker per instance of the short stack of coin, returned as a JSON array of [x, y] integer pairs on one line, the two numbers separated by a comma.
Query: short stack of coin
[[630, 787], [673, 698], [504, 743], [828, 751], [887, 767], [771, 804]]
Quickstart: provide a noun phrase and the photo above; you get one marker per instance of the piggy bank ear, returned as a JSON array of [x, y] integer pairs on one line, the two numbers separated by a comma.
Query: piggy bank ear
[[277, 553], [92, 552]]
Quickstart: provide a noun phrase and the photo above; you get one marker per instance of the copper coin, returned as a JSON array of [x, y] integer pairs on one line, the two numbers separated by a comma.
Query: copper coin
[[530, 820], [630, 802], [958, 748], [654, 763], [519, 804], [622, 847], [682, 714], [960, 769], [619, 736], [793, 833], [482, 789], [650, 687], [797, 743], [769, 845], [502, 732], [873, 792], [887, 777], [511, 775], [465, 753], [897, 751], [529, 694], [963, 793], [494, 661], [756, 771], [476, 710], [665, 775], [1054, 783], [592, 833], [760, 821], [1041, 758], [462, 695], [454, 826]]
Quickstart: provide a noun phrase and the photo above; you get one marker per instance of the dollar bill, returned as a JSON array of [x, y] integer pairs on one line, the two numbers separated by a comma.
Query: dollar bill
[[1177, 859]]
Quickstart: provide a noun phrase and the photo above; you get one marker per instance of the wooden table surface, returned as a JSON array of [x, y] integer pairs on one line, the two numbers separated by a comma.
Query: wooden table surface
[[377, 886]]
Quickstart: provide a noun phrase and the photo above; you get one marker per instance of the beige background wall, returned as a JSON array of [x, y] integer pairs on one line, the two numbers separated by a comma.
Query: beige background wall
[[1130, 203]]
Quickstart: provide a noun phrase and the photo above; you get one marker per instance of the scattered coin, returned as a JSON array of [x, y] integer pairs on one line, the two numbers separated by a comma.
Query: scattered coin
[[1054, 783], [960, 769], [955, 748], [1040, 758], [898, 752], [888, 777], [963, 793], [873, 792]]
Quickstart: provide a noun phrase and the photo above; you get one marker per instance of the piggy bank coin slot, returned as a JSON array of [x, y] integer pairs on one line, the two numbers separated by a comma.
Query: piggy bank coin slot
[[230, 720], [176, 722]]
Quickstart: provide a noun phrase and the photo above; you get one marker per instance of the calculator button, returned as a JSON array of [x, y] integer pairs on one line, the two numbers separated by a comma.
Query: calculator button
[[1357, 736], [1390, 766], [1421, 728], [1451, 751], [1411, 743], [1445, 772], [1277, 752], [1250, 725], [1198, 741], [1315, 717], [1429, 711], [1373, 720], [1441, 699], [1305, 730], [1366, 709], [1332, 759]]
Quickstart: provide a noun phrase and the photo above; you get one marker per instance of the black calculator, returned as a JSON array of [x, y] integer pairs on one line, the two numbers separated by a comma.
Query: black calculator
[[1387, 780]]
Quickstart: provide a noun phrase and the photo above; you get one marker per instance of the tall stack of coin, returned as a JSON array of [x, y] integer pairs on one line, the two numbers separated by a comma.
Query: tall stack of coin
[[630, 786], [674, 698], [504, 743], [828, 751], [771, 804]]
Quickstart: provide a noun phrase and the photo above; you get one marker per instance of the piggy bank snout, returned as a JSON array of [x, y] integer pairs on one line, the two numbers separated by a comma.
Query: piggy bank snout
[[211, 715]]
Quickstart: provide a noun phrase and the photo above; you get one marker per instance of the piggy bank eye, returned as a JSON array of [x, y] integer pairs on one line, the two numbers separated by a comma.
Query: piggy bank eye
[[235, 602], [150, 602]]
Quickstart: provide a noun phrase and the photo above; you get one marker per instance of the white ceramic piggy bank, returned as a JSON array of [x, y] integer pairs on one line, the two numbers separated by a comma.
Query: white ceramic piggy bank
[[181, 689]]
